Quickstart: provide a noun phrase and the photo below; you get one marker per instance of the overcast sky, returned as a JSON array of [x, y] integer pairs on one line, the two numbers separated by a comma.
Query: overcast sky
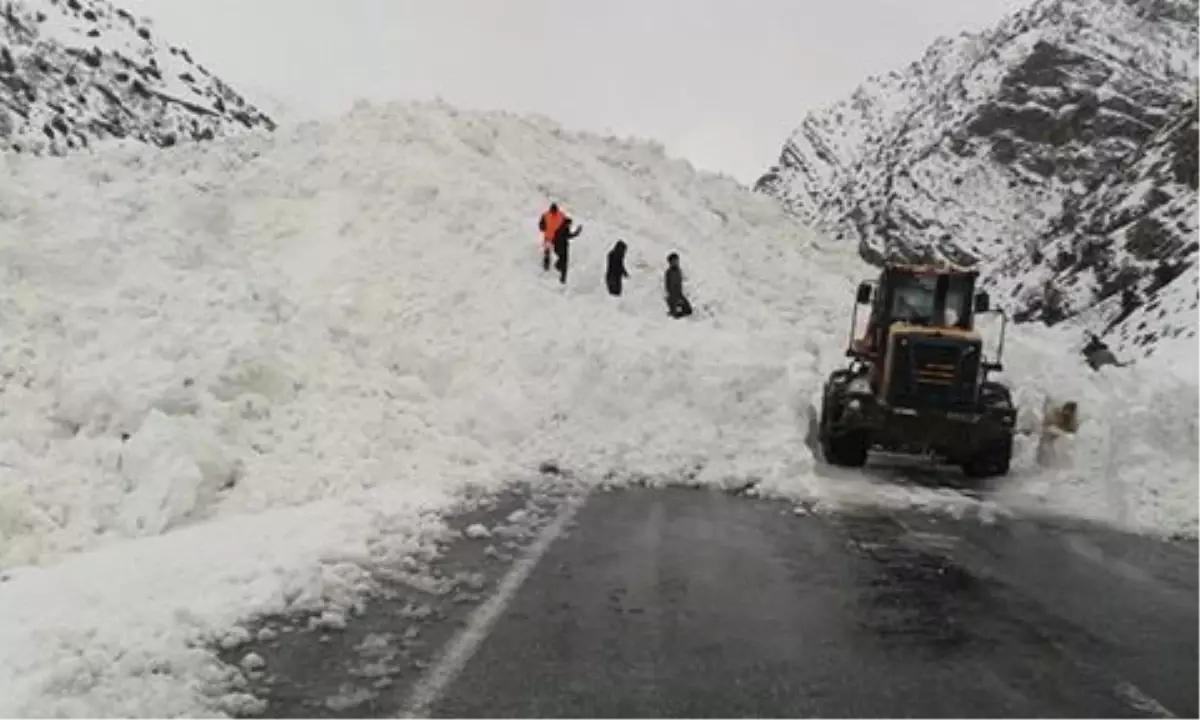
[[721, 82]]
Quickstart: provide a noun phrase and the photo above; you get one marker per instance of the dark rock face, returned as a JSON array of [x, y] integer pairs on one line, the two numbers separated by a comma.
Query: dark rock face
[[1059, 146], [76, 71], [1126, 243]]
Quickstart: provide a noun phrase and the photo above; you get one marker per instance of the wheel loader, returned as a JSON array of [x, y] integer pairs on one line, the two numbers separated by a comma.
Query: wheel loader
[[917, 382]]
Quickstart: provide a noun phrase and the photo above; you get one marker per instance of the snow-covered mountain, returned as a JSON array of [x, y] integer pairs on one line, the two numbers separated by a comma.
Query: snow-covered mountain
[[1115, 249], [1059, 145], [76, 71]]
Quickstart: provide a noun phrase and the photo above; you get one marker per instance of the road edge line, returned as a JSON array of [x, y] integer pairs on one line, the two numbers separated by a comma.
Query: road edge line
[[456, 653], [1138, 700]]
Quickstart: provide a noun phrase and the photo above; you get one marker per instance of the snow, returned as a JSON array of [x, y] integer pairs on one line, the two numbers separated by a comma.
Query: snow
[[237, 376], [119, 631], [1134, 460], [295, 344], [1175, 315]]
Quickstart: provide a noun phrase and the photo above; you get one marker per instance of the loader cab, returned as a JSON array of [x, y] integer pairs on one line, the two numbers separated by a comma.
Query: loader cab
[[918, 378], [923, 296]]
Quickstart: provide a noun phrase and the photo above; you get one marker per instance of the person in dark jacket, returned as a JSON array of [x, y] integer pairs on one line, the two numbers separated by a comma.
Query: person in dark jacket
[[615, 271], [677, 305], [562, 246]]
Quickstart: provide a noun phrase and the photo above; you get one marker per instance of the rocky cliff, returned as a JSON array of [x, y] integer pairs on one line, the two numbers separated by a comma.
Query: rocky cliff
[[1059, 145], [73, 72]]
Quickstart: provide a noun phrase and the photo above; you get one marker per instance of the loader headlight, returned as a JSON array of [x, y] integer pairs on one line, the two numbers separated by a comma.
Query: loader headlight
[[855, 405]]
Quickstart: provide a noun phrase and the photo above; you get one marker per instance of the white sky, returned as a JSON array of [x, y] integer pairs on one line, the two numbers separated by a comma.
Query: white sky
[[720, 82]]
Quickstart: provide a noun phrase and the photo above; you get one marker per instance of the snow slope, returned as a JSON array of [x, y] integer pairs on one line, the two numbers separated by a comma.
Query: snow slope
[[238, 375], [77, 72]]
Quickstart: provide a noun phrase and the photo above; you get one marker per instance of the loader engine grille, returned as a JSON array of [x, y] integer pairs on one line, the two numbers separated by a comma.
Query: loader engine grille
[[934, 373]]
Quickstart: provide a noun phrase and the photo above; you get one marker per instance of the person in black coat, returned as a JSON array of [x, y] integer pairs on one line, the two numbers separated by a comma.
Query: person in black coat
[[677, 304], [615, 271], [562, 247]]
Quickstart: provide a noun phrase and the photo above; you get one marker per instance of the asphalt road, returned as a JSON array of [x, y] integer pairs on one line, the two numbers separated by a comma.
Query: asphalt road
[[649, 603]]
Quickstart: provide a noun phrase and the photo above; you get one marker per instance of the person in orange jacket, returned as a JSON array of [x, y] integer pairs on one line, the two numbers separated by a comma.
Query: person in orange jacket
[[549, 223]]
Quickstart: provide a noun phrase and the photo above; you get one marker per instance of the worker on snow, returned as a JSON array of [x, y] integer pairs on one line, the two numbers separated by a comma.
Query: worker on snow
[[677, 305], [562, 240], [615, 271], [549, 223]]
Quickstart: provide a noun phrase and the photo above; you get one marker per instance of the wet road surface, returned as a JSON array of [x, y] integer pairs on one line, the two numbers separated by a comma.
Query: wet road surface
[[677, 602]]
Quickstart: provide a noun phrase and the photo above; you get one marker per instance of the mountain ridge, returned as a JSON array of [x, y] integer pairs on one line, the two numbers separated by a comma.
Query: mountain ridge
[[77, 72], [985, 150]]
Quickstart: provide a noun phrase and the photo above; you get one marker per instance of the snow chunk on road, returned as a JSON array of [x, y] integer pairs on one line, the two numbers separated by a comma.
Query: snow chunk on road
[[477, 532]]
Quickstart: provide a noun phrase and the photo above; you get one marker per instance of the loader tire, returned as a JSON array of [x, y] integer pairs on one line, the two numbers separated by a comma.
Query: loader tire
[[995, 457], [993, 460], [848, 450]]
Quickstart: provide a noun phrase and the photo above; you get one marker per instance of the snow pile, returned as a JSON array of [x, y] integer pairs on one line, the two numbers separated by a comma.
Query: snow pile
[[235, 374], [277, 351], [1133, 460], [360, 305]]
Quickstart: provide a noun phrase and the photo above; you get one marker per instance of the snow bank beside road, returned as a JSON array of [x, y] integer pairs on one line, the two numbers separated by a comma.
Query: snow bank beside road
[[1133, 462], [126, 631]]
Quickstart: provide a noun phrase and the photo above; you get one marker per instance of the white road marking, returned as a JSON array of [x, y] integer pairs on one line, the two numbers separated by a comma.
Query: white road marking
[[459, 650], [1140, 701]]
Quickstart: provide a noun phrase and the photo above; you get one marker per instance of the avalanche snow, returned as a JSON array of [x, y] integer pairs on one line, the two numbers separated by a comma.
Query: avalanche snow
[[236, 373]]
